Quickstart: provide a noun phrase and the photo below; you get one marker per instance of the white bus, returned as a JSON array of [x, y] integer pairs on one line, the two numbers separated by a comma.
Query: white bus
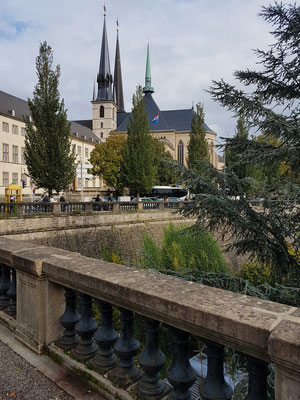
[[170, 191]]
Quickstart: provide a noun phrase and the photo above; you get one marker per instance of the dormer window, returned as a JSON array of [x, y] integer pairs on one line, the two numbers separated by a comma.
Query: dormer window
[[101, 112]]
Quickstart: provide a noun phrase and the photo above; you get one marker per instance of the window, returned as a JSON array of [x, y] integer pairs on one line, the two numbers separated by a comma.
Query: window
[[5, 157], [15, 177], [86, 183], [113, 113], [5, 178], [94, 182], [74, 148], [102, 124], [79, 182], [86, 152], [22, 155], [79, 151], [24, 179], [180, 152], [5, 127], [15, 129], [101, 135], [15, 158], [101, 112], [23, 131]]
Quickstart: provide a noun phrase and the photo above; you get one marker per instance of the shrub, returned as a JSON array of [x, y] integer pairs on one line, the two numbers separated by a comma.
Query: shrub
[[256, 273], [183, 250]]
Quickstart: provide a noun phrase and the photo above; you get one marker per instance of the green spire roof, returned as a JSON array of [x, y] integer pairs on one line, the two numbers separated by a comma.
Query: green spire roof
[[148, 87]]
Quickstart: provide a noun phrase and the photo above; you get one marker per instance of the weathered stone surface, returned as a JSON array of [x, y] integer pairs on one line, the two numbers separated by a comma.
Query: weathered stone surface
[[9, 247]]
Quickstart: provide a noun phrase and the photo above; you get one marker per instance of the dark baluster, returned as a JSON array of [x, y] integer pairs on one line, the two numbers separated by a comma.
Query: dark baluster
[[85, 328], [12, 294], [151, 360], [4, 287], [126, 348], [181, 374], [68, 320], [214, 386], [258, 373], [105, 337]]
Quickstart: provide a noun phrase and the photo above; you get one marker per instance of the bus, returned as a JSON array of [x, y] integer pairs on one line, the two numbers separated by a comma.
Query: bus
[[171, 192]]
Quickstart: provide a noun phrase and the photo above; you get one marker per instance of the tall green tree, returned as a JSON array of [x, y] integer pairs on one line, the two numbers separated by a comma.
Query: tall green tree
[[271, 235], [198, 152], [138, 169], [106, 160], [166, 175], [48, 156]]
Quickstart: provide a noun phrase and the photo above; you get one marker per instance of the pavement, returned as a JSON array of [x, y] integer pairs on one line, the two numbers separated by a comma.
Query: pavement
[[27, 376]]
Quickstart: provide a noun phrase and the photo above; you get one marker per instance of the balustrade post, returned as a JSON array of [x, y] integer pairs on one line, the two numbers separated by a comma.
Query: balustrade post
[[86, 327], [258, 374], [214, 386], [68, 321], [126, 348], [105, 337], [4, 286], [116, 207], [181, 374], [151, 360], [88, 207], [12, 294], [161, 206], [56, 208]]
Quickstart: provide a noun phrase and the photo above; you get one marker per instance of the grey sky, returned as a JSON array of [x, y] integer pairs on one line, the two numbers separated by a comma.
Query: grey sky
[[191, 43]]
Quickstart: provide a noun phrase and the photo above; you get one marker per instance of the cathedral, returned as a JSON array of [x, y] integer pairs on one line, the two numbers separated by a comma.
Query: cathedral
[[171, 127]]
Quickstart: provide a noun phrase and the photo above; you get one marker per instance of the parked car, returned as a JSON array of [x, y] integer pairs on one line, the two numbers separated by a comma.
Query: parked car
[[147, 199]]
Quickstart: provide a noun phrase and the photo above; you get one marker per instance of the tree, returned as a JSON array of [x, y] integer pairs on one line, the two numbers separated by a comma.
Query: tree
[[165, 174], [198, 152], [106, 160], [138, 170], [270, 235], [48, 156]]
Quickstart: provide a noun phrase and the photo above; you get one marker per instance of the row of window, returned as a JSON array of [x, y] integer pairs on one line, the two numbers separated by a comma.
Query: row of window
[[14, 178], [79, 151], [14, 129], [15, 154]]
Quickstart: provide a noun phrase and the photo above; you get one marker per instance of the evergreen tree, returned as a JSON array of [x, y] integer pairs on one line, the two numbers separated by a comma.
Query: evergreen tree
[[49, 159], [198, 153], [138, 169], [271, 235]]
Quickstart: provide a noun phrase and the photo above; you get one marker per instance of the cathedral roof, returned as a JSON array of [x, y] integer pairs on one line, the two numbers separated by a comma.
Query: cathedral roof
[[178, 120], [9, 103]]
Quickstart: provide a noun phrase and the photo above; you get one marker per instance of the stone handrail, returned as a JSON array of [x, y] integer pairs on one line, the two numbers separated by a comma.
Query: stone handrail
[[262, 329]]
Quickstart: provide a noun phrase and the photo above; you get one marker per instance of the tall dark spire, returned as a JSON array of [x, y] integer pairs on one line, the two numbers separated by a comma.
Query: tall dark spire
[[118, 86], [104, 77]]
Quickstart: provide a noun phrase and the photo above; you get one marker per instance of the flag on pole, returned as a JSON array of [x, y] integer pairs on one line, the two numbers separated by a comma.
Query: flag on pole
[[155, 119]]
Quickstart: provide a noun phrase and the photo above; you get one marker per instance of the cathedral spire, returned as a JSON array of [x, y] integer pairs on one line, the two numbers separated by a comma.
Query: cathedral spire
[[148, 87], [104, 77], [118, 86]]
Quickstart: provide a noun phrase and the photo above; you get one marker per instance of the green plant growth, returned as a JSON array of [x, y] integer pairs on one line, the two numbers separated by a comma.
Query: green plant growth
[[183, 250]]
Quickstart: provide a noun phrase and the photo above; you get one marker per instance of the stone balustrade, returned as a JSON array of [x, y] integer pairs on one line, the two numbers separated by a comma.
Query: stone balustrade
[[36, 208], [55, 292]]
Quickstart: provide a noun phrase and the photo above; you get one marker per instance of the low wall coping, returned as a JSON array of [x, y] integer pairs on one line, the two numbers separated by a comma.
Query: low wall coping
[[263, 329]]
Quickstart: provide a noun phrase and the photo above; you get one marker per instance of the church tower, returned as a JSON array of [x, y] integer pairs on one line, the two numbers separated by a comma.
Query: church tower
[[118, 86], [104, 106]]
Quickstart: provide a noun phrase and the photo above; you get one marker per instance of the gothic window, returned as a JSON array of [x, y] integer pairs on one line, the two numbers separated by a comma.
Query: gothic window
[[180, 152], [101, 112]]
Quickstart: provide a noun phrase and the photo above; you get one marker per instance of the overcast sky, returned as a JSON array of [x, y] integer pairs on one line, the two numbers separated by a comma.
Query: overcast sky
[[191, 43]]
